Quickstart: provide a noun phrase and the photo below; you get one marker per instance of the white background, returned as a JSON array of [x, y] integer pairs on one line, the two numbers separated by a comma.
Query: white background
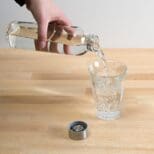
[[121, 23]]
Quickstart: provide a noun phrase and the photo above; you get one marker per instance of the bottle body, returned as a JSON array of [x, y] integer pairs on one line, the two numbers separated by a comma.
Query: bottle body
[[23, 34]]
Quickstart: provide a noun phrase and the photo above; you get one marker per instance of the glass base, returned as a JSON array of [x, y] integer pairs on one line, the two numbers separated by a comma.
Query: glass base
[[108, 115]]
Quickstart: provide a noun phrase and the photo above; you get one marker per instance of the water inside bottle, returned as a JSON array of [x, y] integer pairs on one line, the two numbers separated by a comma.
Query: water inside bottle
[[22, 35]]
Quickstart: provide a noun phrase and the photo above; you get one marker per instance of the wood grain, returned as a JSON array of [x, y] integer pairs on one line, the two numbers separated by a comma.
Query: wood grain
[[42, 93]]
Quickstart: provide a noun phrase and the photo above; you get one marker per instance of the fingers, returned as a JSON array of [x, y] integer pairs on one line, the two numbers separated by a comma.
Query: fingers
[[53, 47], [62, 20], [66, 49], [51, 30], [58, 32], [58, 35], [70, 31], [65, 22], [37, 46], [41, 43], [54, 32]]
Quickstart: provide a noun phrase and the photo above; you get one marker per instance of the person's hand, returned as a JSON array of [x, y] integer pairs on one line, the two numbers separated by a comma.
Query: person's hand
[[47, 13]]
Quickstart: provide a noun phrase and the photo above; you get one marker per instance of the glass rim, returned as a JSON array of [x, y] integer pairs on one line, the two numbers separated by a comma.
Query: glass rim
[[122, 73]]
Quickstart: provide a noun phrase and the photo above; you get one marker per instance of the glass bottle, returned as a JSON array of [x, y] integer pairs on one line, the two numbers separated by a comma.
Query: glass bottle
[[22, 35]]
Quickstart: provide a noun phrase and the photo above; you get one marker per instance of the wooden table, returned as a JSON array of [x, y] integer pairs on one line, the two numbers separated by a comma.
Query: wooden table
[[42, 93]]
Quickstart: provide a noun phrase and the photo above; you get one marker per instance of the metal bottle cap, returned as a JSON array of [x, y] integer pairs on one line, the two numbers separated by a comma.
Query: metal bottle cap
[[78, 130]]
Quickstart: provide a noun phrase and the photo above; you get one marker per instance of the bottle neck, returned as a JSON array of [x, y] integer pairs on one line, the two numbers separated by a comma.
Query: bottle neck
[[92, 42]]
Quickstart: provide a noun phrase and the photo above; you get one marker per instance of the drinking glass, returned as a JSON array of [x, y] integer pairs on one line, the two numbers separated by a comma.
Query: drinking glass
[[107, 77]]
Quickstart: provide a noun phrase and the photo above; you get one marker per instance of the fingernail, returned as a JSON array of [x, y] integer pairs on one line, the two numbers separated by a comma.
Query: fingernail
[[42, 45]]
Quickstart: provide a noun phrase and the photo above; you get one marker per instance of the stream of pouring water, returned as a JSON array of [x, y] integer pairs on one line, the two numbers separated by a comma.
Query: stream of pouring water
[[101, 56]]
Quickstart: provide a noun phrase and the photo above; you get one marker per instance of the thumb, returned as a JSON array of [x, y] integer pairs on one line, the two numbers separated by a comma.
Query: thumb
[[42, 35]]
